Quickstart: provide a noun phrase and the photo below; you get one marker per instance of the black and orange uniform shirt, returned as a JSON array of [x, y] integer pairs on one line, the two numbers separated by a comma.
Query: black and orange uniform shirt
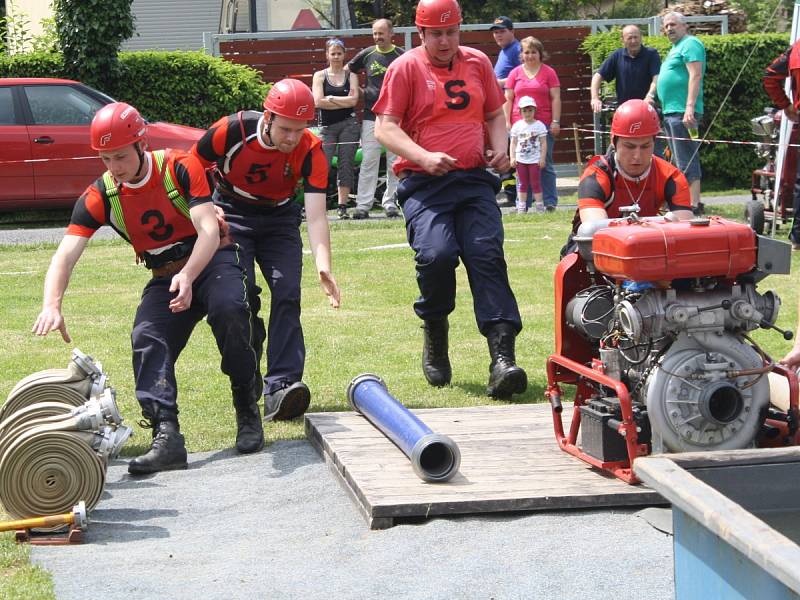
[[150, 221], [245, 168], [603, 186], [786, 65]]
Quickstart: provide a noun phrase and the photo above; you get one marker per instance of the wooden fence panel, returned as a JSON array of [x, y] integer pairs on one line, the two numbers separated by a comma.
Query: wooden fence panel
[[299, 58]]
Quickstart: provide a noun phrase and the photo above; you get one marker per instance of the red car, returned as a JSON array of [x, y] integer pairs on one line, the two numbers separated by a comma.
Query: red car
[[45, 157]]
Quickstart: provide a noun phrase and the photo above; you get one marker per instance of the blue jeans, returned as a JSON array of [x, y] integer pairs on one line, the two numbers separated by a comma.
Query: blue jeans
[[549, 190], [685, 152]]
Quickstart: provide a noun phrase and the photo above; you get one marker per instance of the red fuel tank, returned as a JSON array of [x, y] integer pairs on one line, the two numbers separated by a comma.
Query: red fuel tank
[[657, 250]]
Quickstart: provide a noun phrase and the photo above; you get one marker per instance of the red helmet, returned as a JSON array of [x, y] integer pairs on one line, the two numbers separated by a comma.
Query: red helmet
[[635, 118], [292, 99], [438, 13], [116, 125]]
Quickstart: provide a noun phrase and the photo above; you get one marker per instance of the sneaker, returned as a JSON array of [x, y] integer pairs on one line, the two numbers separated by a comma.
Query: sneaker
[[549, 208], [341, 212], [699, 210], [287, 403], [360, 213], [392, 212], [539, 207]]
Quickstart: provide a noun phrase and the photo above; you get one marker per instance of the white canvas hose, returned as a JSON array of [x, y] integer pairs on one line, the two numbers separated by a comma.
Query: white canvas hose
[[48, 472], [82, 379], [52, 457]]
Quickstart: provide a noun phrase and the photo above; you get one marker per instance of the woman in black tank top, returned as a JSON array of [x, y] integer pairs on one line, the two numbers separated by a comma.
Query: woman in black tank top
[[336, 95]]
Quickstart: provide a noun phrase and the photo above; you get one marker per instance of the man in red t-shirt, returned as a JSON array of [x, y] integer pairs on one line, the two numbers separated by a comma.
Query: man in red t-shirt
[[258, 158], [437, 103], [160, 203]]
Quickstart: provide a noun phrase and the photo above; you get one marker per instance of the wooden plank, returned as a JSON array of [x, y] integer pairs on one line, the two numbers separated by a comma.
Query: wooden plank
[[510, 462]]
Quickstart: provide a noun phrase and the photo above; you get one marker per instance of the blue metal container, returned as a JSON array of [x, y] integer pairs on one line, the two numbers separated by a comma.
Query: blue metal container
[[735, 520], [433, 456]]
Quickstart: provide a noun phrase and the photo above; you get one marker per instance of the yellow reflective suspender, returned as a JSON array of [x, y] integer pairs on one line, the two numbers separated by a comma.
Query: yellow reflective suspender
[[173, 193], [112, 193]]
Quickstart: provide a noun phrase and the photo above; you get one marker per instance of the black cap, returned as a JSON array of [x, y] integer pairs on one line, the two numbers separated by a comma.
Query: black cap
[[502, 23]]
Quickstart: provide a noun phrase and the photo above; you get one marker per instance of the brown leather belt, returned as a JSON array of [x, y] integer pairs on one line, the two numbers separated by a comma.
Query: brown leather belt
[[169, 269]]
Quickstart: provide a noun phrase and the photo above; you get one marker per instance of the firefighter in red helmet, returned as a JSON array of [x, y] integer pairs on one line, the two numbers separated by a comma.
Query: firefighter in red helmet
[[437, 102], [160, 203], [629, 173], [257, 160]]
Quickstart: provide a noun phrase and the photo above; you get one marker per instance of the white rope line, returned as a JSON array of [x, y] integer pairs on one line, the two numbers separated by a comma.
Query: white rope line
[[699, 141], [581, 129]]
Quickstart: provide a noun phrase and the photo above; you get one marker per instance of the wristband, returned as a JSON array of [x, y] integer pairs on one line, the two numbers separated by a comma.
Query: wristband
[[556, 121]]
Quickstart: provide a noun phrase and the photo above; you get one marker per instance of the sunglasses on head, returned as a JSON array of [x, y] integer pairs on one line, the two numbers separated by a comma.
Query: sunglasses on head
[[334, 42]]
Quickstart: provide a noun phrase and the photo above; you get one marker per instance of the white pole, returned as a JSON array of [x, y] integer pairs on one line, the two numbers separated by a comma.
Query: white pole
[[785, 131]]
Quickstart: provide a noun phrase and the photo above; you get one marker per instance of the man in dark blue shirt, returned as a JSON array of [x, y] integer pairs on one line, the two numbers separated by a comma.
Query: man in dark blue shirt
[[510, 50], [634, 67]]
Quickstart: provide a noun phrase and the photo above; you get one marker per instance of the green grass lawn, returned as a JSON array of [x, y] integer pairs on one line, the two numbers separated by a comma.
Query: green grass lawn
[[375, 330]]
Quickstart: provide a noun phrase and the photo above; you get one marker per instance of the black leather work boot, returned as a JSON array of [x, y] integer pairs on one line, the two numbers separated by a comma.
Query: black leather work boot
[[287, 403], [505, 377], [167, 452], [249, 431], [435, 362]]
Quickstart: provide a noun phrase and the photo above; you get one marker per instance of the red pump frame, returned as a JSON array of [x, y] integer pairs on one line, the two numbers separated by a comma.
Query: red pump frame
[[570, 277], [562, 369]]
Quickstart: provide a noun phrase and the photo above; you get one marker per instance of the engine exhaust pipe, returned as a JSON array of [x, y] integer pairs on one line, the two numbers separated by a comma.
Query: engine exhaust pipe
[[434, 457]]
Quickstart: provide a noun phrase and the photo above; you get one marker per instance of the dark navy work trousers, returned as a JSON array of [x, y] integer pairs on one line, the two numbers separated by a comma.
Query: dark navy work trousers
[[159, 335], [456, 217], [270, 237]]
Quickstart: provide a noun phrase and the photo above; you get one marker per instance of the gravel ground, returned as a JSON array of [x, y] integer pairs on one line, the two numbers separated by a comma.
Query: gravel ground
[[277, 525]]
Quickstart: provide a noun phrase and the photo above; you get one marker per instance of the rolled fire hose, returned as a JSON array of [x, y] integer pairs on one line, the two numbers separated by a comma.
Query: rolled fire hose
[[77, 517], [433, 456], [89, 417], [34, 411], [49, 464], [82, 379]]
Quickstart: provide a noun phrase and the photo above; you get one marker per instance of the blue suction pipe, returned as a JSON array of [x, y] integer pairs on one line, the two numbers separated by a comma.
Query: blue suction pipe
[[435, 457]]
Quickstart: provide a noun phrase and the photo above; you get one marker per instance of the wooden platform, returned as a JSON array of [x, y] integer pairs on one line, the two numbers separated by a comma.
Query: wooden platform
[[509, 462]]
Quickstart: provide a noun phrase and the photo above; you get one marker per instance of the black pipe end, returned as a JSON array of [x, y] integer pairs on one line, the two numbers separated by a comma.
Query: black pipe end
[[351, 387], [435, 458]]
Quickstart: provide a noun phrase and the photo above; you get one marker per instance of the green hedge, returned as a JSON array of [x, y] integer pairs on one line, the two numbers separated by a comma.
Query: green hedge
[[724, 165], [189, 88]]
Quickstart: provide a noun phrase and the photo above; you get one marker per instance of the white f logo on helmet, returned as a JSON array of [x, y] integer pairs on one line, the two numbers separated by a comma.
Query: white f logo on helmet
[[301, 110], [635, 127], [105, 139], [445, 17]]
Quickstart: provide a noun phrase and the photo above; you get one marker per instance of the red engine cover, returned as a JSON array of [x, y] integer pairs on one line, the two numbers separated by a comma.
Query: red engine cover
[[658, 250]]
